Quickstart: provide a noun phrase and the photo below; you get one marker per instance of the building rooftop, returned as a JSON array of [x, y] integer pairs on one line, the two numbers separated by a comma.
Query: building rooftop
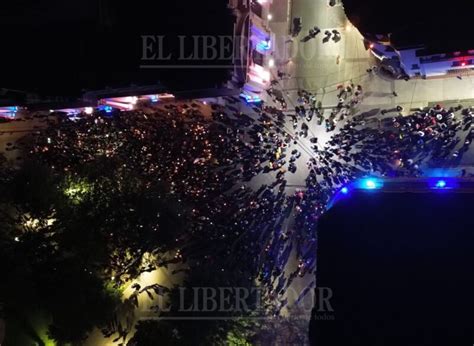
[[435, 39], [439, 26], [389, 259]]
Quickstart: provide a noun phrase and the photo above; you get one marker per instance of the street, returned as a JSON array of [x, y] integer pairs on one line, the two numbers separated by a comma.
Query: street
[[280, 164]]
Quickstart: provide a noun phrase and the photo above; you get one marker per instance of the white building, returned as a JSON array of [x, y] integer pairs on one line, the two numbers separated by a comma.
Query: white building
[[254, 46], [404, 56]]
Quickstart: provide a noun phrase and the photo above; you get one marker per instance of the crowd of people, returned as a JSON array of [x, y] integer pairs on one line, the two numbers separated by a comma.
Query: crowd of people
[[385, 144], [213, 160]]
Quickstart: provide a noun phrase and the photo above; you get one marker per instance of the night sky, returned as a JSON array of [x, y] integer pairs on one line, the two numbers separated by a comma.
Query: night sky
[[58, 48]]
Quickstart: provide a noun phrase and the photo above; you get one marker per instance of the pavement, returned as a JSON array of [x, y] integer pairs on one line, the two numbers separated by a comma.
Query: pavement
[[129, 315], [12, 133], [320, 67], [315, 67]]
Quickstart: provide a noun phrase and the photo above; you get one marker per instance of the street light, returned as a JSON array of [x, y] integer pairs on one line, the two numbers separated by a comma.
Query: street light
[[269, 16], [271, 63]]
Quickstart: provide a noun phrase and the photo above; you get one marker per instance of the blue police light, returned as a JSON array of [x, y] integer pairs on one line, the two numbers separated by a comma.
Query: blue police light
[[345, 190], [443, 183], [264, 45], [250, 99], [369, 184], [245, 97]]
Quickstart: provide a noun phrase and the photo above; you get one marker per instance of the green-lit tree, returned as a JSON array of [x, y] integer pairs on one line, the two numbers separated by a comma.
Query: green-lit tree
[[63, 235], [77, 300]]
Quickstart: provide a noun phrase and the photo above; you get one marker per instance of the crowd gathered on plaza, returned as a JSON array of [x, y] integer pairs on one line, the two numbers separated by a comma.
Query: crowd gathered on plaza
[[211, 161]]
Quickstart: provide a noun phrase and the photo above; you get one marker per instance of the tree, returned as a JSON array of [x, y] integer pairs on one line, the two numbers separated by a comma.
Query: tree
[[33, 188], [64, 234], [77, 300], [155, 333], [199, 327]]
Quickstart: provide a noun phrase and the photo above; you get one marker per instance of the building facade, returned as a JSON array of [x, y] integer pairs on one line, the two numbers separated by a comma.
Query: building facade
[[419, 60], [254, 45]]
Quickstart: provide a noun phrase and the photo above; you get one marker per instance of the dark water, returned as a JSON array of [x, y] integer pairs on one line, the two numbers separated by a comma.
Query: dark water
[[400, 267], [57, 47]]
